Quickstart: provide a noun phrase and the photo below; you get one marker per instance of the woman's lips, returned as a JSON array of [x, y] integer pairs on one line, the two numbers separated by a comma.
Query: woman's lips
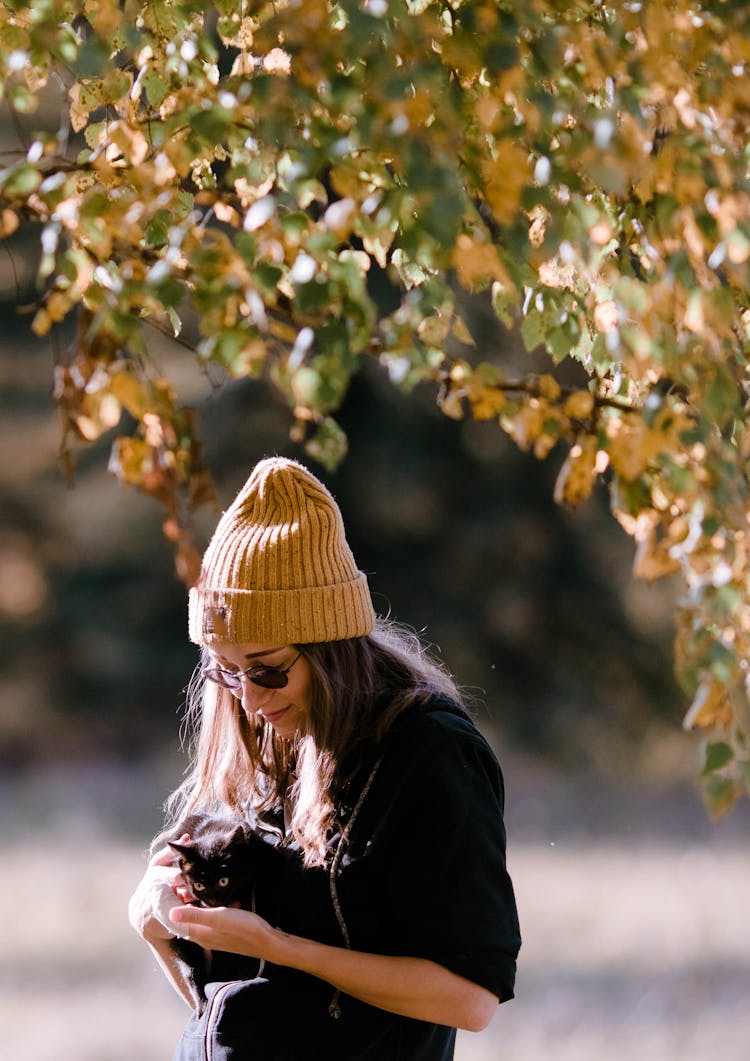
[[274, 716]]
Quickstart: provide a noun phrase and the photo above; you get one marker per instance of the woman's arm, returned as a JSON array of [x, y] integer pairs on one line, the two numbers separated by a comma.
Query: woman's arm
[[411, 987], [161, 876], [167, 959]]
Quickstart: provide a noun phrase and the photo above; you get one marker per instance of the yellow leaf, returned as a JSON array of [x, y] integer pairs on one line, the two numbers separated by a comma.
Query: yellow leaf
[[8, 223], [601, 233], [346, 180], [105, 16], [652, 558], [538, 226], [240, 35], [488, 404], [79, 114], [462, 54], [451, 404], [243, 65], [378, 246], [131, 142], [100, 412], [226, 213], [433, 330], [694, 318], [709, 707], [549, 388], [606, 316], [545, 444], [461, 332], [553, 273], [277, 61], [59, 303], [578, 474], [478, 263], [131, 393], [41, 323], [504, 180], [579, 405], [629, 446], [528, 423]]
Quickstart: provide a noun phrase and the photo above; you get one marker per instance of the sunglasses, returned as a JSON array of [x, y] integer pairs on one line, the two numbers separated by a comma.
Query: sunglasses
[[262, 674]]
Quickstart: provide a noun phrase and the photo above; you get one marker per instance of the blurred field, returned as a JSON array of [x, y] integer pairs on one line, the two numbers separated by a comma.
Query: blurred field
[[636, 942]]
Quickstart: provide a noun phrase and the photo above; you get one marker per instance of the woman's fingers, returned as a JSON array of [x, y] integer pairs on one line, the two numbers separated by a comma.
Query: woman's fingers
[[189, 916], [222, 928], [166, 856]]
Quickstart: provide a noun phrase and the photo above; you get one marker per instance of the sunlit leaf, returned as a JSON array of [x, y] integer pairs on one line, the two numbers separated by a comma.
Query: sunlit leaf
[[577, 476], [717, 755]]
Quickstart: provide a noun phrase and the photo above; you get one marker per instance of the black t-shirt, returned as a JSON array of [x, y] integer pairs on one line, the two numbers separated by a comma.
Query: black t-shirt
[[422, 874]]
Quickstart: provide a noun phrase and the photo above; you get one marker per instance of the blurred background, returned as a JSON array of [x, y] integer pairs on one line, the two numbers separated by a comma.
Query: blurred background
[[633, 904]]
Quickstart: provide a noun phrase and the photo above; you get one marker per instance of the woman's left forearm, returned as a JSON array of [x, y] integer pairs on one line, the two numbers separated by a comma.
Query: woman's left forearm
[[411, 987]]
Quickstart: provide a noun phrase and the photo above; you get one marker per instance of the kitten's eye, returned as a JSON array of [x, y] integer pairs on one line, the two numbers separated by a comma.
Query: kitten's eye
[[223, 881], [198, 887]]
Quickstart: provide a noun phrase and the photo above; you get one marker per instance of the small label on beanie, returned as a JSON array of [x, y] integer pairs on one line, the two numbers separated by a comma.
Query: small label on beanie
[[215, 622]]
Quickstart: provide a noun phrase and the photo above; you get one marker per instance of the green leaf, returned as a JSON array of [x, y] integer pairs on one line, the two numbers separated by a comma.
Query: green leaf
[[22, 99], [722, 662], [268, 276], [157, 232], [295, 224], [721, 397], [93, 58], [717, 754], [156, 87], [93, 133], [719, 794], [212, 124], [328, 445], [21, 180], [533, 331], [502, 300], [630, 497]]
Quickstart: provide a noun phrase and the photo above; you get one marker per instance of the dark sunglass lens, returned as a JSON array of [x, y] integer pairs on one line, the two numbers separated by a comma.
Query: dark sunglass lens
[[220, 677], [267, 677]]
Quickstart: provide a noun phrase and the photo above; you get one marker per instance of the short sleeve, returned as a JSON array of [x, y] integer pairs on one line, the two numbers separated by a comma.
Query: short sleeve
[[440, 846]]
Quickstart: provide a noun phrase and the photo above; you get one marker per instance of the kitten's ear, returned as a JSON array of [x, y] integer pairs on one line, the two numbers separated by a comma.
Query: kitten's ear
[[181, 849], [239, 835]]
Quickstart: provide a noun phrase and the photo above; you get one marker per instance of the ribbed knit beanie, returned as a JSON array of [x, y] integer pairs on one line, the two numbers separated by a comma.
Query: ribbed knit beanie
[[278, 569]]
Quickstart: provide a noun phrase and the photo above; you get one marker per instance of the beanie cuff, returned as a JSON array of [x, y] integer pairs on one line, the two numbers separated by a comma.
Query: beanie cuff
[[281, 617]]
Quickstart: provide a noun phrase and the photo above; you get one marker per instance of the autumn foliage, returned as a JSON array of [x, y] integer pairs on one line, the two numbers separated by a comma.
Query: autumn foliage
[[248, 179]]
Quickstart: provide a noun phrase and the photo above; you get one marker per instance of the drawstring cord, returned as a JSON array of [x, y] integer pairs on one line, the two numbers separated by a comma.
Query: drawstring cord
[[262, 961], [334, 1009]]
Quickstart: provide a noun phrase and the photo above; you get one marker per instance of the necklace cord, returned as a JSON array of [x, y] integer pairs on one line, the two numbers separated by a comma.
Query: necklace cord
[[334, 1008]]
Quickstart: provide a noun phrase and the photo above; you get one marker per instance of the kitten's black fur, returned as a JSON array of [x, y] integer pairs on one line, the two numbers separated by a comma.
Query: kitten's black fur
[[219, 864]]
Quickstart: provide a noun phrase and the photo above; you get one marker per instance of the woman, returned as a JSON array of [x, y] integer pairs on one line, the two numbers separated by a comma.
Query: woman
[[391, 921]]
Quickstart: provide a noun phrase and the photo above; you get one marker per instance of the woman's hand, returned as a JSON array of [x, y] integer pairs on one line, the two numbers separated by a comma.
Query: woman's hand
[[224, 928], [161, 886]]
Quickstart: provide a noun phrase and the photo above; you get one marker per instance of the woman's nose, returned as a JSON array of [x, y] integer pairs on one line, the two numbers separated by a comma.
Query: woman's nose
[[253, 697]]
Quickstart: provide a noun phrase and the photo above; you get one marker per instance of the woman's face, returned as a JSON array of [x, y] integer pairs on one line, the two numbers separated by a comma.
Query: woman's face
[[287, 708]]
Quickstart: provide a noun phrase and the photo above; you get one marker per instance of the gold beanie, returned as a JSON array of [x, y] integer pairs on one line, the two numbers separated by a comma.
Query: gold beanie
[[278, 569]]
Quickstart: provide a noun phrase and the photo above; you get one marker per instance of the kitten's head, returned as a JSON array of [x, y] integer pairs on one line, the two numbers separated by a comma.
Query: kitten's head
[[214, 862]]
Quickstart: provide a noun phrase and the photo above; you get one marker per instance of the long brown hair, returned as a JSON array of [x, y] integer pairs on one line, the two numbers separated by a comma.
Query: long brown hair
[[358, 687]]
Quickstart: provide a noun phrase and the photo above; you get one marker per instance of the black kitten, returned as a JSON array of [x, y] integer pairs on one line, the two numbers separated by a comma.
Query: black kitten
[[219, 864], [218, 860]]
